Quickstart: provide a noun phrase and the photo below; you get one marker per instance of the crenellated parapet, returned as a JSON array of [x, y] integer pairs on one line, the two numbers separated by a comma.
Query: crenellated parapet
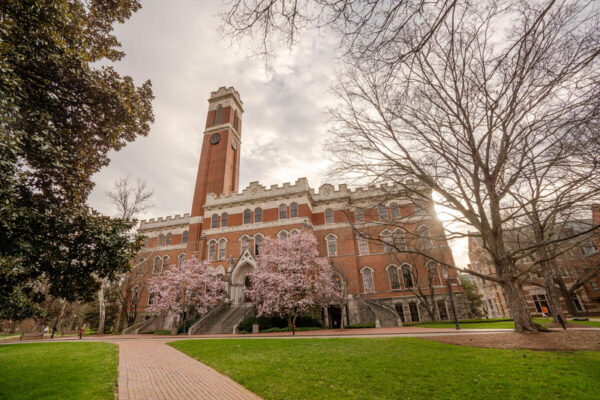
[[163, 222]]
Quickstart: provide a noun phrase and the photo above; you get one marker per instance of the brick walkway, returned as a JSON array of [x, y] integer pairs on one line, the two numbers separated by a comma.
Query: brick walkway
[[151, 370]]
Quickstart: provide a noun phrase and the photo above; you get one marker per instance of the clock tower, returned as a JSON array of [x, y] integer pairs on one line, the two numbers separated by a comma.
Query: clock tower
[[219, 167]]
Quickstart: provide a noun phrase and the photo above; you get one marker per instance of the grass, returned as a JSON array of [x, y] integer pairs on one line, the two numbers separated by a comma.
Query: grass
[[396, 368], [58, 371], [498, 324]]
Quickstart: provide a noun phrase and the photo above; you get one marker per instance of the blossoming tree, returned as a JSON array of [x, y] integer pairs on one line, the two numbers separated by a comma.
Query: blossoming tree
[[290, 278], [193, 285]]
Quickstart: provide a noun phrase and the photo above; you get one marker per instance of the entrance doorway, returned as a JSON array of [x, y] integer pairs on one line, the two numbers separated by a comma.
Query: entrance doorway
[[414, 312], [400, 311], [247, 287], [335, 317]]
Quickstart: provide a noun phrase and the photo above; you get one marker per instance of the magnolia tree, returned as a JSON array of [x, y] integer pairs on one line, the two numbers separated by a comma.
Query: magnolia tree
[[290, 278], [192, 285]]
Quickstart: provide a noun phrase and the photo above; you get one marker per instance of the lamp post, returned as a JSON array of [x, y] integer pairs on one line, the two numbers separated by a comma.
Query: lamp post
[[446, 278]]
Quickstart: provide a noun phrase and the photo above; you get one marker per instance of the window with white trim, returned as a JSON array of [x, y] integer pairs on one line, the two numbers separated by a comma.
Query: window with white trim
[[293, 210], [245, 243], [169, 238], [282, 235], [258, 241], [395, 210], [407, 276], [258, 214], [165, 263], [180, 260], [393, 275], [157, 265], [161, 240], [331, 245], [433, 273], [363, 245], [386, 238], [382, 211], [329, 216], [222, 249], [214, 221], [359, 215], [247, 216], [282, 211], [367, 275], [425, 238], [212, 250], [184, 237], [224, 219], [399, 240]]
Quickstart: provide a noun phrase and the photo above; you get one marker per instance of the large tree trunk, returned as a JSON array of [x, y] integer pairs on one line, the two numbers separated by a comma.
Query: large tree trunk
[[516, 303], [558, 315], [101, 309]]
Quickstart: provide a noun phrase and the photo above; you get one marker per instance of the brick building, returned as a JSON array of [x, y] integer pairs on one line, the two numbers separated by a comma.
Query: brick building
[[227, 227], [578, 263]]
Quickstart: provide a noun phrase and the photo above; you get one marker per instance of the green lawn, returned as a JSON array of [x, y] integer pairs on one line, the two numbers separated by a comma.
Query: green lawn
[[58, 371], [499, 324], [396, 368]]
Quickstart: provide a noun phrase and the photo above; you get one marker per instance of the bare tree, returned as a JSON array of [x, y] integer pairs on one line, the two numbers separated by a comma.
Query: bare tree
[[475, 111], [130, 200]]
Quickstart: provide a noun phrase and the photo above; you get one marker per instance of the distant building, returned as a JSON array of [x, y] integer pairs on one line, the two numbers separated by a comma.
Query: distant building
[[573, 265]]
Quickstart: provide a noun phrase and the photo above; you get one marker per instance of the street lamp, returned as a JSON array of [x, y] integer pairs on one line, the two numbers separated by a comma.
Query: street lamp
[[446, 278]]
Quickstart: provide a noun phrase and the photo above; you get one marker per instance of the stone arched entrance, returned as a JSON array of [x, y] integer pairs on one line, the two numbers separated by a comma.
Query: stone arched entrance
[[239, 281]]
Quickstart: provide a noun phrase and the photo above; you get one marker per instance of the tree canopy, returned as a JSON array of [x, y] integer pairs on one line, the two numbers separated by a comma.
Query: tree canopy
[[63, 107]]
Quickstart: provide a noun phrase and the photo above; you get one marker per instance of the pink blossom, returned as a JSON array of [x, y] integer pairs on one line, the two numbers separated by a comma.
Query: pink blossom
[[192, 284], [290, 278]]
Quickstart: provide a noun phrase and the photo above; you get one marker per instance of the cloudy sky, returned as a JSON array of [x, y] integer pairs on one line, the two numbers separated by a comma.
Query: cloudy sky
[[177, 45]]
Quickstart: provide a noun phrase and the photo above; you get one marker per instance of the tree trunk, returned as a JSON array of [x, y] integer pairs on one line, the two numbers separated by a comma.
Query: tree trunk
[[101, 309], [566, 294], [558, 315], [517, 305], [58, 320]]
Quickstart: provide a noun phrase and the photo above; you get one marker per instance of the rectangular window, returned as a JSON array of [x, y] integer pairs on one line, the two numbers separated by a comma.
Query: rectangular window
[[222, 250], [540, 300], [293, 210], [368, 280], [382, 211], [359, 215], [331, 246], [363, 246], [224, 219], [258, 215]]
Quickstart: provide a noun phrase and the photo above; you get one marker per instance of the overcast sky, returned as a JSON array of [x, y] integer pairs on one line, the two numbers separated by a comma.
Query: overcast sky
[[177, 46]]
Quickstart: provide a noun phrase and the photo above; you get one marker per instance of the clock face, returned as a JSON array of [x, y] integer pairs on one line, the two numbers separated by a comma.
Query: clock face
[[216, 138], [234, 145]]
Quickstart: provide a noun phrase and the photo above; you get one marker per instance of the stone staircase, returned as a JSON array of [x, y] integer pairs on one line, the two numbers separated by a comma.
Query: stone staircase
[[224, 318], [385, 317], [152, 323]]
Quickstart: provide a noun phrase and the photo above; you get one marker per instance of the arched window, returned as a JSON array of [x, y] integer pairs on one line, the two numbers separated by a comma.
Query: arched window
[[165, 263], [235, 119], [424, 235], [258, 214], [407, 276], [180, 260], [388, 245], [245, 243], [282, 211], [157, 265], [258, 241], [214, 221], [140, 270], [224, 219], [393, 274], [222, 249], [212, 250], [331, 245], [399, 240], [395, 210], [433, 273], [219, 115], [184, 237], [329, 216], [282, 235], [161, 240], [367, 275], [382, 211], [169, 238], [247, 216], [293, 210], [363, 245], [359, 215], [294, 232]]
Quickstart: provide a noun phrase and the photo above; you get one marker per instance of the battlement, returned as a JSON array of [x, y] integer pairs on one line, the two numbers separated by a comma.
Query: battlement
[[327, 191], [223, 92], [176, 219]]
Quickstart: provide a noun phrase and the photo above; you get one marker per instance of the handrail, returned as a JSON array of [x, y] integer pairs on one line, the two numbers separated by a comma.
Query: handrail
[[209, 319]]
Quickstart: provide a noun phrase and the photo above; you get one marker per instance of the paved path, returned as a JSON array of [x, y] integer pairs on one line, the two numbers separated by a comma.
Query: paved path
[[151, 370]]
